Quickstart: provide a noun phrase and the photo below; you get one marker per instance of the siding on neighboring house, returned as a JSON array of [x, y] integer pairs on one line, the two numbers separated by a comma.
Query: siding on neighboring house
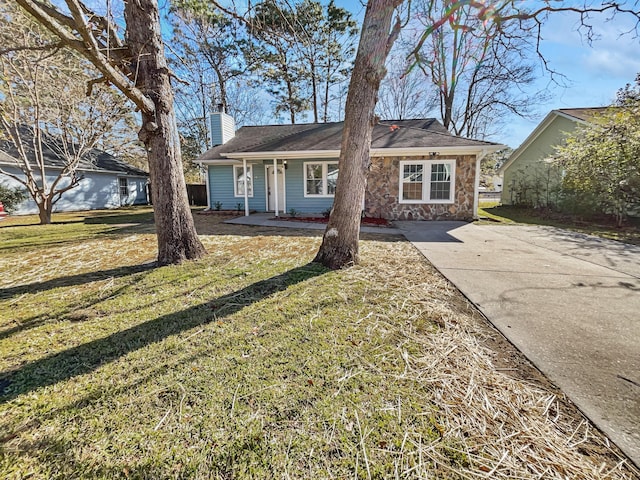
[[383, 188], [137, 191], [95, 191], [529, 169]]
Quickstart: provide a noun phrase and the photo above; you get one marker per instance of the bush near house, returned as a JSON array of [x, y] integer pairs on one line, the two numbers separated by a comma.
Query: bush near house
[[595, 170], [11, 197]]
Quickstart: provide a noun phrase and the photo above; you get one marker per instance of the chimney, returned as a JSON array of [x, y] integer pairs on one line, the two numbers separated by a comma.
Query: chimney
[[223, 127]]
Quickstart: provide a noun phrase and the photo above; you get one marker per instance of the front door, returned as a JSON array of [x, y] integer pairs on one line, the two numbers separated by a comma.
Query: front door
[[271, 189]]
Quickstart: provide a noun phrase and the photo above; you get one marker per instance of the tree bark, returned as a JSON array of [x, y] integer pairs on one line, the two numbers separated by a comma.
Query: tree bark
[[45, 208], [177, 237], [340, 241]]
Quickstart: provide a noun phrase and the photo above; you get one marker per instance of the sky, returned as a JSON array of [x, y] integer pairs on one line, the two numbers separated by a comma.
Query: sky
[[592, 73]]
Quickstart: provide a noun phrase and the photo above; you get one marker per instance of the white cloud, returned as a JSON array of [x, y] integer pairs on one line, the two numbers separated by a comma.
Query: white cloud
[[612, 62]]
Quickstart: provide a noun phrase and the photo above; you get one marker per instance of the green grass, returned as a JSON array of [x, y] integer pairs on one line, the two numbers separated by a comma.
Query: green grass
[[23, 232], [250, 363], [602, 227]]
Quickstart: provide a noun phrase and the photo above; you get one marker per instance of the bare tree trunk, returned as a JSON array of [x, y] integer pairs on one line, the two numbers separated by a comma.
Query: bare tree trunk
[[340, 242], [45, 208], [177, 237], [325, 115], [314, 92]]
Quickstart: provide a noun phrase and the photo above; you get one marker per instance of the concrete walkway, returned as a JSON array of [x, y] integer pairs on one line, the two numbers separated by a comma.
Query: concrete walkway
[[569, 302]]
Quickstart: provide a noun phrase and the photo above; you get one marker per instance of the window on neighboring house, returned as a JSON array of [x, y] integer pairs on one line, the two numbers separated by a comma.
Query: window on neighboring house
[[320, 179], [239, 181], [124, 186], [427, 181]]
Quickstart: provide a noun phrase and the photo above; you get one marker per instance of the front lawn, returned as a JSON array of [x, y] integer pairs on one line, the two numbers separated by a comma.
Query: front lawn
[[255, 363]]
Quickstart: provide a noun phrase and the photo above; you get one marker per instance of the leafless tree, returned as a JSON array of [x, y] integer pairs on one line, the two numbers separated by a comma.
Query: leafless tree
[[339, 246], [45, 115], [405, 92], [135, 63]]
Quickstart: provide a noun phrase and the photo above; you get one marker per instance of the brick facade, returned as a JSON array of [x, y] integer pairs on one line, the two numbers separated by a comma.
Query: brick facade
[[381, 198]]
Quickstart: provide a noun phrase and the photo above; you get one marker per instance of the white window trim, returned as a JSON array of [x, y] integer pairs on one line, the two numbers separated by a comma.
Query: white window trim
[[123, 186], [235, 181], [325, 172], [426, 183]]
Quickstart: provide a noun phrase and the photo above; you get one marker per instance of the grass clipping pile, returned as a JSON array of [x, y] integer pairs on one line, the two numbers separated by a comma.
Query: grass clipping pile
[[497, 422]]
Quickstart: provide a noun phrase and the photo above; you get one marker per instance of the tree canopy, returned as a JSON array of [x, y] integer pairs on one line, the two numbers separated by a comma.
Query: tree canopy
[[601, 159], [133, 60]]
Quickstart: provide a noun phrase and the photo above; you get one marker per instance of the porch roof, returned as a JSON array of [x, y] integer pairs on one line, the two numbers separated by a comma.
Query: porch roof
[[324, 140]]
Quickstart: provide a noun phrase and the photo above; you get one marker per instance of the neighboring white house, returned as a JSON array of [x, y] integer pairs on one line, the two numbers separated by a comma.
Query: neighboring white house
[[106, 182]]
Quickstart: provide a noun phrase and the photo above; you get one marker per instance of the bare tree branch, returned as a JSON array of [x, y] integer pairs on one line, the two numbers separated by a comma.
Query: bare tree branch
[[34, 48], [88, 47]]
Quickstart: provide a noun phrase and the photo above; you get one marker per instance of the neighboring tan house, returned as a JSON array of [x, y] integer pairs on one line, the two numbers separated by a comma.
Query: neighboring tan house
[[419, 170], [106, 182], [529, 175]]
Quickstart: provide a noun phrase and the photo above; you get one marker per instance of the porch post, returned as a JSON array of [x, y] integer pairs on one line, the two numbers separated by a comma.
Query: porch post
[[275, 183], [246, 187]]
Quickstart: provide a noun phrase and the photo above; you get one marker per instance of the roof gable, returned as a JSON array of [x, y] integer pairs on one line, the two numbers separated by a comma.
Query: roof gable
[[577, 115], [323, 137]]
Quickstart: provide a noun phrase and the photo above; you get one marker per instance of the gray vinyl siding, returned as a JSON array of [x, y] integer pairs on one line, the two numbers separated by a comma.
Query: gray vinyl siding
[[95, 191]]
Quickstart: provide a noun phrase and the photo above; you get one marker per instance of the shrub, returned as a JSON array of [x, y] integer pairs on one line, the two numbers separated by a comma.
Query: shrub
[[11, 197]]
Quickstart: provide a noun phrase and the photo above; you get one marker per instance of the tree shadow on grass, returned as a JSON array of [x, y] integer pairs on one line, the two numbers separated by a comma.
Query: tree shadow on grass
[[72, 280], [89, 356], [75, 312]]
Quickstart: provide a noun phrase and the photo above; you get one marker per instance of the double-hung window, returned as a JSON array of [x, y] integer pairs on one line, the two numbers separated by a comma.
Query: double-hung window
[[239, 181], [320, 179], [427, 181], [124, 186]]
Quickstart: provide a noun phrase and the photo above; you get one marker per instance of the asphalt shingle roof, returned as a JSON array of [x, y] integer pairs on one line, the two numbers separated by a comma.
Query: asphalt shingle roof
[[420, 133], [583, 113], [95, 159]]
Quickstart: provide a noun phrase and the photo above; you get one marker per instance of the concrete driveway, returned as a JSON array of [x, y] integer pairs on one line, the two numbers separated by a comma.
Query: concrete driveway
[[569, 302]]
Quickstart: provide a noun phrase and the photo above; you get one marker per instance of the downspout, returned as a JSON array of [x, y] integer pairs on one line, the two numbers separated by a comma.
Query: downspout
[[246, 187], [476, 186], [275, 183]]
